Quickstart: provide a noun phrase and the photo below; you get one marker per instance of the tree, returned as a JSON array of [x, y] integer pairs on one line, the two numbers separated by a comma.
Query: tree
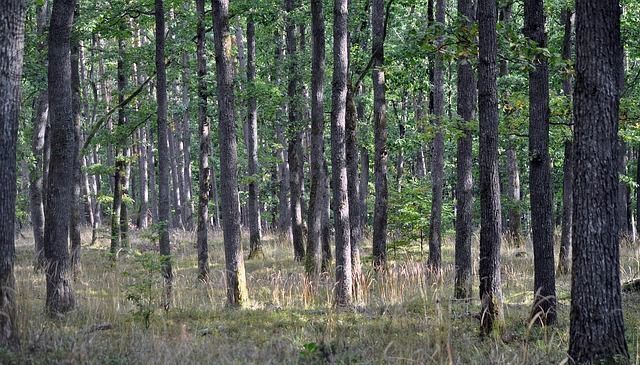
[[74, 219], [544, 289], [60, 297], [380, 214], [567, 176], [163, 156], [490, 209], [255, 229], [295, 154], [344, 280], [313, 260], [237, 295], [597, 325], [11, 55], [437, 169], [464, 159], [205, 148]]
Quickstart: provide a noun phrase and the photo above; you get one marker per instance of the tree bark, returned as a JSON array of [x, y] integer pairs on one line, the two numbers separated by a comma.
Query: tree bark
[[338, 155], [185, 141], [567, 178], [490, 209], [237, 295], [11, 57], [255, 228], [313, 260], [597, 325], [351, 146], [205, 147], [36, 172], [544, 289], [437, 161], [74, 219], [295, 137], [151, 167], [164, 206], [623, 190], [380, 213], [364, 188], [60, 297], [467, 99]]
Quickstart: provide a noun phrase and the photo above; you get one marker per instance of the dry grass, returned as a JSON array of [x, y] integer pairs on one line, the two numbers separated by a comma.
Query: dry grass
[[404, 317]]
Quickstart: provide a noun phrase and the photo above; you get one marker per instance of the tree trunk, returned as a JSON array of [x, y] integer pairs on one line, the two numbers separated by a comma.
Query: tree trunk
[[380, 125], [364, 188], [351, 146], [255, 229], [143, 219], [205, 148], [338, 155], [567, 178], [437, 161], [544, 289], [74, 219], [597, 325], [237, 294], [490, 210], [60, 296], [313, 260], [164, 206], [326, 224], [623, 193], [464, 161], [295, 134], [11, 57], [151, 167], [185, 141], [36, 172], [176, 217]]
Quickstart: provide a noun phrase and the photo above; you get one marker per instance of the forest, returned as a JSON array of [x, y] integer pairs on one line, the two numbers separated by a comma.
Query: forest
[[319, 182]]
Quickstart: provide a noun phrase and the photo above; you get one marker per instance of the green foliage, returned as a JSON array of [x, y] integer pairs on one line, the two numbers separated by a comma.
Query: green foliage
[[144, 285]]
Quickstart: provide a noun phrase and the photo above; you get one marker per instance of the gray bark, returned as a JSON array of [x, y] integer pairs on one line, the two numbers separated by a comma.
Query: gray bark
[[237, 295], [597, 325], [11, 56], [467, 99], [164, 207], [313, 260], [344, 280], [60, 297], [490, 209], [380, 214], [255, 228], [544, 287]]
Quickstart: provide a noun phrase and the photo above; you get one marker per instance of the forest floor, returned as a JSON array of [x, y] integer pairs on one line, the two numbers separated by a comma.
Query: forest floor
[[404, 317]]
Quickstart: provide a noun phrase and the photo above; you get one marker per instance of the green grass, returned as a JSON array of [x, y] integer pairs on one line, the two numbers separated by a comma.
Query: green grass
[[404, 317]]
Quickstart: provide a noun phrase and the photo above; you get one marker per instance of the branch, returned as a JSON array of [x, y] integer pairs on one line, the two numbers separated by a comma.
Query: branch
[[105, 117], [387, 15]]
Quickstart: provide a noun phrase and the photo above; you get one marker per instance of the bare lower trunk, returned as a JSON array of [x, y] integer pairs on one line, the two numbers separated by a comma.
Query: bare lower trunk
[[237, 295], [60, 298], [351, 146], [490, 210], [11, 57], [74, 222]]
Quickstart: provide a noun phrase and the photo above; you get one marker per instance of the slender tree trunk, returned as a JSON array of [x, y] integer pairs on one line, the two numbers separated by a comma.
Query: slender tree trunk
[[544, 289], [151, 167], [255, 229], [467, 99], [11, 56], [164, 206], [597, 325], [490, 210], [326, 224], [364, 188], [176, 217], [213, 194], [205, 147], [437, 162], [295, 135], [143, 221], [60, 296], [36, 171], [185, 141], [421, 164], [338, 155], [237, 294], [74, 219], [380, 125], [313, 260], [623, 193], [351, 146], [567, 179]]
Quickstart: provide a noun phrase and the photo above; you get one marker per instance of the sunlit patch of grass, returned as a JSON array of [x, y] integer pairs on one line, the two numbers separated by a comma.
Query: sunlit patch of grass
[[404, 316]]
